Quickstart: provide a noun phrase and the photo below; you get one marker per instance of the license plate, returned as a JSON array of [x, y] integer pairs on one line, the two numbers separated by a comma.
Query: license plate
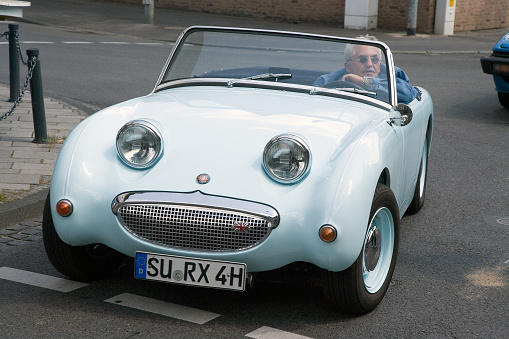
[[190, 271]]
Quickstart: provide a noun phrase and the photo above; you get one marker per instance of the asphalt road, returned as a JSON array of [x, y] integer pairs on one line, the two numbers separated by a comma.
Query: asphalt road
[[451, 279]]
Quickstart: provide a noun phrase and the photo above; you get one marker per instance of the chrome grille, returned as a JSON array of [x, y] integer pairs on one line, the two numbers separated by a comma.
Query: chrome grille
[[194, 227]]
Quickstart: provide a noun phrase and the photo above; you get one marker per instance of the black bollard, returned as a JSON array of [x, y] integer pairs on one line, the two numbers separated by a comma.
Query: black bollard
[[13, 63], [38, 112]]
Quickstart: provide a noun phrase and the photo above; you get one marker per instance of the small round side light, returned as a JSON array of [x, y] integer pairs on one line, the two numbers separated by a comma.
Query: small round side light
[[328, 233], [64, 208]]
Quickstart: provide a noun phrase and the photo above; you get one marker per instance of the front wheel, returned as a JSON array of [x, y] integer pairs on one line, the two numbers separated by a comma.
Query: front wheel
[[362, 286], [503, 98], [82, 263]]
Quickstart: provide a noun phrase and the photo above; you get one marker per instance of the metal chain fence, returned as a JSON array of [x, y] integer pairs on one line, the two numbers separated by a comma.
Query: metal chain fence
[[29, 62]]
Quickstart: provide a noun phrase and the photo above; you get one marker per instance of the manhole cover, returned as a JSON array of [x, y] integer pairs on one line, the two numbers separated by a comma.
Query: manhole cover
[[503, 221], [497, 221]]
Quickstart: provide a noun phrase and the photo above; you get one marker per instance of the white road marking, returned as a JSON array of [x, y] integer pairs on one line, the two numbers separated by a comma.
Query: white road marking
[[273, 333], [91, 43], [163, 308], [37, 42], [39, 280], [114, 42], [77, 42], [149, 43]]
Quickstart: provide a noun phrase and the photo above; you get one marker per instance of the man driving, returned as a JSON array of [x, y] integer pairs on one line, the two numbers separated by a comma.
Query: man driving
[[363, 66]]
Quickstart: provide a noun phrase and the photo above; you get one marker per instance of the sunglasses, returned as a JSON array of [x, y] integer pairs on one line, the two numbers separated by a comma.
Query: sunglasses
[[364, 58]]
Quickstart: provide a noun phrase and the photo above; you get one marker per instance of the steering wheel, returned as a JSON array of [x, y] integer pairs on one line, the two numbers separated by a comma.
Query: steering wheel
[[342, 84]]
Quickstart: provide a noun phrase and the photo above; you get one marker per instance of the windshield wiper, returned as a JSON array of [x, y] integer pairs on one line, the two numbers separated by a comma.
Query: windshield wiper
[[356, 90], [350, 90], [264, 76], [274, 73]]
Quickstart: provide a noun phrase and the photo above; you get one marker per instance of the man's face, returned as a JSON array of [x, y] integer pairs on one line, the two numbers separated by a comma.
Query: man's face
[[366, 54]]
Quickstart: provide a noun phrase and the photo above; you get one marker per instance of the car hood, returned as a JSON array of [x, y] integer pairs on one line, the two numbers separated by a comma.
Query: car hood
[[201, 118], [502, 45], [222, 132]]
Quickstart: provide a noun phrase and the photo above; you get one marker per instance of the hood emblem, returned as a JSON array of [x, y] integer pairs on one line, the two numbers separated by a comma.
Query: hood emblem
[[240, 226], [203, 178]]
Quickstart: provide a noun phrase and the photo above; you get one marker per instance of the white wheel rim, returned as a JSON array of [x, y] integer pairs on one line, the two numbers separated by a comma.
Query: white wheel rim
[[377, 250]]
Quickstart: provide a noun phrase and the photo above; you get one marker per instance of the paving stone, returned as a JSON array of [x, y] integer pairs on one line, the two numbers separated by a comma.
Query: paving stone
[[25, 166], [31, 223], [5, 154], [7, 232], [31, 232], [16, 187], [18, 236], [17, 228], [21, 179], [33, 238], [34, 154], [16, 243], [12, 171]]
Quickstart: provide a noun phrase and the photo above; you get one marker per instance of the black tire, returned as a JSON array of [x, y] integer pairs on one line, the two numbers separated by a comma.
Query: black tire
[[503, 98], [420, 188], [83, 263], [350, 291]]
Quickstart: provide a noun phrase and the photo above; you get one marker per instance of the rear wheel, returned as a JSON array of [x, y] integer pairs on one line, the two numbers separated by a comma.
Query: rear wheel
[[78, 262], [503, 98], [420, 188], [362, 286]]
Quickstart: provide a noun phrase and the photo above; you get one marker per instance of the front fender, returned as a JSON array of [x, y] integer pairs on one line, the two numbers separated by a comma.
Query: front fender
[[375, 152]]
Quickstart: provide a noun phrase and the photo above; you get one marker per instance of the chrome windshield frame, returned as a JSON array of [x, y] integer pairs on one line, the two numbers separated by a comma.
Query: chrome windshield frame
[[161, 84]]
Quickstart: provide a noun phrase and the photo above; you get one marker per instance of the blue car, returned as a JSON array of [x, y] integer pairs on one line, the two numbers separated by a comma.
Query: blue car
[[498, 65], [242, 161]]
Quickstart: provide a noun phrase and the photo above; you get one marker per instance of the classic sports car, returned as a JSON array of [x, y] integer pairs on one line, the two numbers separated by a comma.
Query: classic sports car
[[239, 163], [498, 65]]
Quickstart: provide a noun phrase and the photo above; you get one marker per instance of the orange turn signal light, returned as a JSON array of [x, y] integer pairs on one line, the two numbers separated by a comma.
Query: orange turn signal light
[[64, 208], [328, 233]]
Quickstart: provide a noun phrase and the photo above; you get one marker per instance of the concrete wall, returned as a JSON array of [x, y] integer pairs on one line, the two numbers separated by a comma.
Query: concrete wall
[[392, 14]]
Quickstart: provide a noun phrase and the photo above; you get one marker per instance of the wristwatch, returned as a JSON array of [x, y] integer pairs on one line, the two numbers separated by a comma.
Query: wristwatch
[[364, 81]]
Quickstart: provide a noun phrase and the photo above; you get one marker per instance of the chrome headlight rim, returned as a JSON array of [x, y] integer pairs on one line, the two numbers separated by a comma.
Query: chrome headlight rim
[[153, 131], [299, 142]]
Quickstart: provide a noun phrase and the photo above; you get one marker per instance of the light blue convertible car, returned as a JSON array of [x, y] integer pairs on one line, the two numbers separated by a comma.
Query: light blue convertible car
[[238, 162]]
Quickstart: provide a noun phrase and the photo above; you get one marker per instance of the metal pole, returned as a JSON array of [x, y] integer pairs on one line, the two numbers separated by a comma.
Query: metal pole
[[149, 11], [13, 63], [41, 135], [412, 18]]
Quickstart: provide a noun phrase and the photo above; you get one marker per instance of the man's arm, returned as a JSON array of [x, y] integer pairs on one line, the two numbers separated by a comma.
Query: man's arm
[[406, 92]]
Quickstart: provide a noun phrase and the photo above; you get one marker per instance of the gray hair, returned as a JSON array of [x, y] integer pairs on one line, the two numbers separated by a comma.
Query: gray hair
[[350, 48]]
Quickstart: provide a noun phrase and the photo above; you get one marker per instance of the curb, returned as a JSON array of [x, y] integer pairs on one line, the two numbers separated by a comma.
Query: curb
[[28, 208]]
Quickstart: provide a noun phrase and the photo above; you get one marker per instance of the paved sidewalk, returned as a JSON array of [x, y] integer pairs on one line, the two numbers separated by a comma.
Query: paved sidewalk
[[21, 234], [26, 167]]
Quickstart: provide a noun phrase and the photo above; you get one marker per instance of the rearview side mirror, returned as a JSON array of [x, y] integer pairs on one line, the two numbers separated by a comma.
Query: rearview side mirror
[[402, 117]]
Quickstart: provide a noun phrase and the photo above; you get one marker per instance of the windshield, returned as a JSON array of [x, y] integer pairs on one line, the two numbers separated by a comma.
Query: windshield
[[329, 64]]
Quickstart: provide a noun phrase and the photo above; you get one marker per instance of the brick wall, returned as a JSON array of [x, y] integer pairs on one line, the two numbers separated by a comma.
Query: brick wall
[[481, 14], [392, 14], [305, 11]]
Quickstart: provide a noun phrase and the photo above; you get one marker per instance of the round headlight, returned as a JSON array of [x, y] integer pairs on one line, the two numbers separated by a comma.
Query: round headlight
[[286, 158], [139, 144]]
